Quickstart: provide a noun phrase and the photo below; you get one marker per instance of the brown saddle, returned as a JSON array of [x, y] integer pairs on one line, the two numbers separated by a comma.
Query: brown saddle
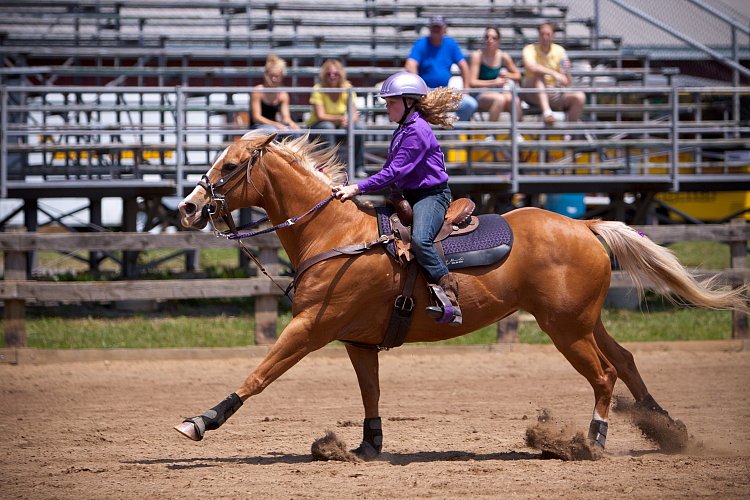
[[458, 220]]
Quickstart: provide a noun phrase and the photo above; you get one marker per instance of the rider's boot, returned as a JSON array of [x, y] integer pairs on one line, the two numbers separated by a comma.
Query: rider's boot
[[446, 295]]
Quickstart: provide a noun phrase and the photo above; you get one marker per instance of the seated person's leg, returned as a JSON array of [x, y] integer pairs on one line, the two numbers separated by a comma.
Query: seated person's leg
[[574, 103], [466, 108], [538, 99], [492, 102], [519, 109], [265, 127], [328, 139]]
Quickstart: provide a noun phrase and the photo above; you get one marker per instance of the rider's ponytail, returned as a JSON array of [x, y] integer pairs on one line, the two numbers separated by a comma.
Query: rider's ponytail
[[437, 106]]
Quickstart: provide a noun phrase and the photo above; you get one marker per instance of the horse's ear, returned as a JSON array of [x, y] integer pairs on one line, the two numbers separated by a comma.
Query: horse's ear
[[259, 134], [268, 140], [258, 143]]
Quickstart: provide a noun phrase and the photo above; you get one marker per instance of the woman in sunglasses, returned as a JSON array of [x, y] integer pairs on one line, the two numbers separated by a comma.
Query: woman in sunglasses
[[330, 110]]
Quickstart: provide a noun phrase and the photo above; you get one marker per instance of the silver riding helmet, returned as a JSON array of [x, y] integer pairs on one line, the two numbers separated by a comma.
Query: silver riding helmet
[[404, 84]]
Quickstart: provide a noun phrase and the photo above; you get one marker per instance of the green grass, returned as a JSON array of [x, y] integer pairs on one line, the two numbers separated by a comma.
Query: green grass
[[229, 323], [139, 332], [234, 328], [703, 254], [630, 326], [188, 323]]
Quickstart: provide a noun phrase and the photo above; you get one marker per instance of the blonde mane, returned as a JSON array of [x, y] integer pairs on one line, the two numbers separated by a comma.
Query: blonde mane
[[315, 157]]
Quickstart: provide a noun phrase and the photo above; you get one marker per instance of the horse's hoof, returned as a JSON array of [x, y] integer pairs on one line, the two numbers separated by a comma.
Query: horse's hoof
[[366, 451], [188, 430]]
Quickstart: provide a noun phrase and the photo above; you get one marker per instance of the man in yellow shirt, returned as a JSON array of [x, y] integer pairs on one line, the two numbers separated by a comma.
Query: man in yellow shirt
[[546, 65]]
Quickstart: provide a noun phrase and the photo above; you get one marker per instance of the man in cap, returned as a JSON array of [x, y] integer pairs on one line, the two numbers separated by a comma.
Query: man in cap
[[431, 57]]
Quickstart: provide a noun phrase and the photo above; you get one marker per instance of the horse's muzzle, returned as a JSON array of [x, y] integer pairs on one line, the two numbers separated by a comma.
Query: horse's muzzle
[[190, 217]]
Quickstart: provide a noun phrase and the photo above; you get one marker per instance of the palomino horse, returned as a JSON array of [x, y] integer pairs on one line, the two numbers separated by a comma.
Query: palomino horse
[[558, 271]]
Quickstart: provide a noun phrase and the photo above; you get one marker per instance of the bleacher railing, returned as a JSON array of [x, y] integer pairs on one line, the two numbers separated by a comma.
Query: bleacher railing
[[673, 137]]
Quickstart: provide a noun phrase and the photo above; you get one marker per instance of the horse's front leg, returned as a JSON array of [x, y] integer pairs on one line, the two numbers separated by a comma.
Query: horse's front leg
[[294, 343], [365, 362]]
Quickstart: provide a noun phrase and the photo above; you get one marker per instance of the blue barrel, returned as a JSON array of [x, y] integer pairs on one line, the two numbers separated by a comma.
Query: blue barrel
[[570, 204]]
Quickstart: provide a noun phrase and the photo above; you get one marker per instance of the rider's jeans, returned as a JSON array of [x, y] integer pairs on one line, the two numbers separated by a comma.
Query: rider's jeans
[[429, 206]]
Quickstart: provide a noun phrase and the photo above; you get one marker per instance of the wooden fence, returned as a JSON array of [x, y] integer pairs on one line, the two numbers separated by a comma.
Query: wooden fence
[[16, 289]]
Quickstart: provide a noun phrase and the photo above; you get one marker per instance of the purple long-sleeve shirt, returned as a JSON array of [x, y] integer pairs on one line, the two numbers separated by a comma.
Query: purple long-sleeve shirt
[[414, 160]]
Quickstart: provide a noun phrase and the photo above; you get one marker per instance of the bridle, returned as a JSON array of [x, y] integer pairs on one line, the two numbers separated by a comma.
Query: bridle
[[218, 202], [218, 205]]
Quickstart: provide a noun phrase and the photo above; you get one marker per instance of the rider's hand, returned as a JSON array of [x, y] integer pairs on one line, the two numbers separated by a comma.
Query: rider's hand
[[344, 193]]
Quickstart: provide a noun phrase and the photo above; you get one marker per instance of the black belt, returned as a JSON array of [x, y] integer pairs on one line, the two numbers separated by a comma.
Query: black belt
[[420, 191]]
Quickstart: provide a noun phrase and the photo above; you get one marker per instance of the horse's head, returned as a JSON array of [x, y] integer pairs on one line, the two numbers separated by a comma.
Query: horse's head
[[223, 188]]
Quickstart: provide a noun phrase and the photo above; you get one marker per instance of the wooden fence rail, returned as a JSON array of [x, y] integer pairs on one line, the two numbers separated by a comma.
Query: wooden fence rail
[[16, 290]]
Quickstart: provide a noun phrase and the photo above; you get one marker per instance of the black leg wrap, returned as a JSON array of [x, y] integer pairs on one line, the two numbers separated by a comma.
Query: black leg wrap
[[372, 439], [216, 416], [598, 432], [372, 433]]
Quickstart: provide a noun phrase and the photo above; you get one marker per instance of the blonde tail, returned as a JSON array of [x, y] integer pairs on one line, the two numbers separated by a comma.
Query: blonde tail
[[645, 260]]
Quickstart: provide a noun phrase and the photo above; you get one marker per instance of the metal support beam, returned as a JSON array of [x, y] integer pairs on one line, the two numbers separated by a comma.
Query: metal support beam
[[681, 36], [4, 142]]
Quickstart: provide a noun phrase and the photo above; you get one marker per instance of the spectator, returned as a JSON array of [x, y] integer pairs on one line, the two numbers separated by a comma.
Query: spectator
[[270, 110], [490, 67], [330, 111], [546, 65], [431, 57]]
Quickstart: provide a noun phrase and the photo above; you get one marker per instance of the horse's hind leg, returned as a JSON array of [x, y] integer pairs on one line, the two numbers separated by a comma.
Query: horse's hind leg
[[622, 359], [625, 366], [669, 433], [589, 361]]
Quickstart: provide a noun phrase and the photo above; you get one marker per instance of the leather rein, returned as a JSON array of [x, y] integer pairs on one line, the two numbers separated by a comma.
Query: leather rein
[[218, 206]]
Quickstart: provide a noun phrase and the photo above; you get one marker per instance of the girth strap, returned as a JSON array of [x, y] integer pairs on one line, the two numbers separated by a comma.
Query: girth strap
[[403, 306], [398, 325]]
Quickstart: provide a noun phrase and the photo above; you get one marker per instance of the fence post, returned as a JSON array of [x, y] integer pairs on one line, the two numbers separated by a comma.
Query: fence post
[[15, 309], [267, 306], [738, 252]]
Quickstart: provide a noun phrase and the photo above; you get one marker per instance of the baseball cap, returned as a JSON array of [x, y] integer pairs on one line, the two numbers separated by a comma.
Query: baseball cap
[[437, 21]]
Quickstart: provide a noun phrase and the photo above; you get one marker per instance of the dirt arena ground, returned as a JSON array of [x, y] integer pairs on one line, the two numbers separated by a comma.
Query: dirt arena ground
[[454, 423]]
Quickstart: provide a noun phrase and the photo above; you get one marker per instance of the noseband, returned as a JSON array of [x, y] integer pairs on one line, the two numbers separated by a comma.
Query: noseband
[[218, 202]]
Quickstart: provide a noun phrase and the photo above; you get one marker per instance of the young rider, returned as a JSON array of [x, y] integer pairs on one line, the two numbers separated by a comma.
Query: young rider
[[416, 166]]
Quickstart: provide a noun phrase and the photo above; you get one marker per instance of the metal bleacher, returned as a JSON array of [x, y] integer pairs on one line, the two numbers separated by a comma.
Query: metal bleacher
[[134, 99]]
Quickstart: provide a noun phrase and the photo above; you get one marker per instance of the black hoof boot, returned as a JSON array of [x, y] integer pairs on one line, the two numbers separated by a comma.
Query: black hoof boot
[[598, 433], [372, 439], [195, 427]]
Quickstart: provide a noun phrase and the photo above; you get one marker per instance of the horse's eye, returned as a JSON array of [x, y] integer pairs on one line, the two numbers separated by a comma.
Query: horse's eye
[[229, 166]]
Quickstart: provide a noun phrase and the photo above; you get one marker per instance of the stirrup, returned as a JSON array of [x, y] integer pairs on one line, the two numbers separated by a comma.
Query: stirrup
[[444, 312]]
